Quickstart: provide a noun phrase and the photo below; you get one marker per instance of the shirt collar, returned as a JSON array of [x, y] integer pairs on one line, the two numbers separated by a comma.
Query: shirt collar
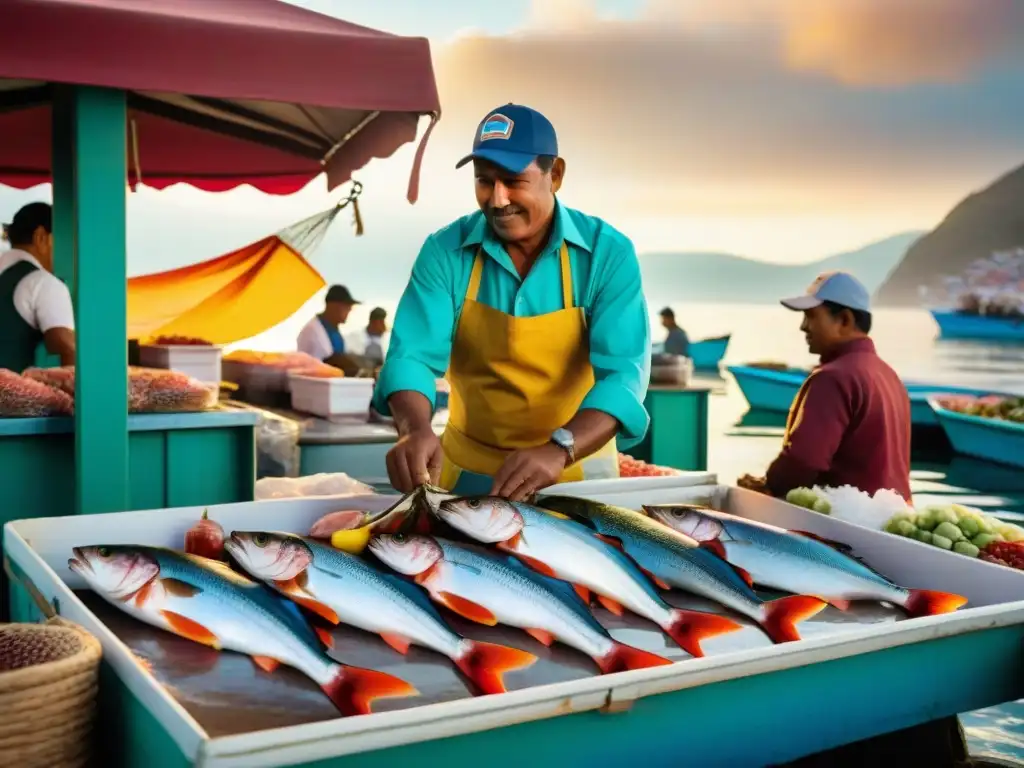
[[565, 229], [16, 254], [857, 345]]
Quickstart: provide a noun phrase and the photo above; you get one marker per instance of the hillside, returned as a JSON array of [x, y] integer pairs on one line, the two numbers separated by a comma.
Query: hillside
[[721, 277], [986, 221]]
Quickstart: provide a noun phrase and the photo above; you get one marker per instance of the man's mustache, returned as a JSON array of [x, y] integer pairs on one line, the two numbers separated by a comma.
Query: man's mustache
[[508, 210]]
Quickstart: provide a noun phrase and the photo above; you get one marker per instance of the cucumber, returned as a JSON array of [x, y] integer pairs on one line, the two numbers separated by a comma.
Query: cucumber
[[905, 528], [925, 537], [925, 521], [941, 542], [966, 548], [822, 506], [949, 531], [969, 527], [982, 540], [944, 515]]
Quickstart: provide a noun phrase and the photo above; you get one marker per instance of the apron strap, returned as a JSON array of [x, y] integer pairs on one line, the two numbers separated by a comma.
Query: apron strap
[[475, 276], [567, 301]]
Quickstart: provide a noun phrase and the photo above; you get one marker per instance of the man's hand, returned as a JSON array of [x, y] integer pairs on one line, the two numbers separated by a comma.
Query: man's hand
[[752, 483], [415, 459], [529, 470]]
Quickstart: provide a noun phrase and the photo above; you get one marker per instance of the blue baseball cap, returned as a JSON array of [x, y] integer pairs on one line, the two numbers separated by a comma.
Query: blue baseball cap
[[840, 288], [512, 137]]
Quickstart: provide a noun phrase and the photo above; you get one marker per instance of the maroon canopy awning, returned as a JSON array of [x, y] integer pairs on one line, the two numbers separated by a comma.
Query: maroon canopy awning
[[220, 92]]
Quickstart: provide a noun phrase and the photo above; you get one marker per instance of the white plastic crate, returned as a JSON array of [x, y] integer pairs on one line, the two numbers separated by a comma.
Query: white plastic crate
[[199, 362], [331, 397]]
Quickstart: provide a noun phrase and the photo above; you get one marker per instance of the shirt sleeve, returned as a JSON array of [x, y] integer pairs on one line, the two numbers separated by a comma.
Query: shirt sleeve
[[620, 346], [820, 418], [311, 341], [421, 337], [53, 308]]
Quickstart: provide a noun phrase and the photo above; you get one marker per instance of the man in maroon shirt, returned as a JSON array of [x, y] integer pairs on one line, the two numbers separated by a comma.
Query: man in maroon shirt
[[850, 422]]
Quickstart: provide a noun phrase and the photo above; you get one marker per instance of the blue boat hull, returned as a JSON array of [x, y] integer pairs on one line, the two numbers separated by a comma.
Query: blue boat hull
[[768, 390], [953, 325], [707, 354], [993, 440]]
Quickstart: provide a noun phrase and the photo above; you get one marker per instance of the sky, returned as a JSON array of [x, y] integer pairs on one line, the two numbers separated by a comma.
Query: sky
[[781, 130]]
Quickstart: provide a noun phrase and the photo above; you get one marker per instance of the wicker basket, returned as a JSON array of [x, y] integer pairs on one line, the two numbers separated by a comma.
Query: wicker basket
[[48, 683]]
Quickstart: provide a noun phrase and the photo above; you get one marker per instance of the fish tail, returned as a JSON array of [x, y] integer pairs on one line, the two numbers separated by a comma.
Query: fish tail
[[353, 689], [623, 657], [486, 663], [782, 616], [688, 628], [924, 602]]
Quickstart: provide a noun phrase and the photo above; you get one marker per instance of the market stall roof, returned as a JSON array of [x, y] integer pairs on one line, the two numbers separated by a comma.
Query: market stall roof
[[219, 93]]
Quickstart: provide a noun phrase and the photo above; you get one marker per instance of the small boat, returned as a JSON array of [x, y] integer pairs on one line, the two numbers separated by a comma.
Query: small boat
[[995, 440], [767, 389], [957, 325], [707, 354]]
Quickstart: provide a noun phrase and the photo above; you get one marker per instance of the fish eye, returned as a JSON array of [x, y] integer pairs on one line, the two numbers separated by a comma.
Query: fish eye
[[474, 503], [399, 538], [103, 552], [260, 539]]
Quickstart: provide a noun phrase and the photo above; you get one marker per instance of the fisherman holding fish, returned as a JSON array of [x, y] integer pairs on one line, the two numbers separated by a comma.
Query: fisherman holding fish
[[537, 314], [850, 422]]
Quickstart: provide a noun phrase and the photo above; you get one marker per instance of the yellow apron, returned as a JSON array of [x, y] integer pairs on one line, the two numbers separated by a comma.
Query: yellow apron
[[514, 381]]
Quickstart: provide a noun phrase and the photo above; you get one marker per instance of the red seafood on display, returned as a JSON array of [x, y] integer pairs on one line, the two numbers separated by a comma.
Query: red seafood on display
[[23, 396], [630, 467], [205, 538], [1008, 553]]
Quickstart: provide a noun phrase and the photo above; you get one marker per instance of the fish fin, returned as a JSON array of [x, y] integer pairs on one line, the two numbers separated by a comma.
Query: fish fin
[[325, 636], [924, 602], [552, 512], [623, 657], [835, 602], [400, 643], [179, 588], [354, 689], [541, 636], [657, 579], [609, 540], [688, 628], [583, 592], [486, 664], [537, 565], [714, 545], [467, 608], [193, 630], [782, 616], [745, 575], [610, 605], [321, 610], [423, 577], [266, 663], [141, 595], [510, 545], [836, 545]]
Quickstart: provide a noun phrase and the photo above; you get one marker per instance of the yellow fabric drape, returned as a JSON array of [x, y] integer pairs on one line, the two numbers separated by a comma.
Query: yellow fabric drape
[[226, 299]]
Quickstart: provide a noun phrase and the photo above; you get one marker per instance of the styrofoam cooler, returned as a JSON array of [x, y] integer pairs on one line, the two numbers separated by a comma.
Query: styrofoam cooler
[[199, 362], [331, 397]]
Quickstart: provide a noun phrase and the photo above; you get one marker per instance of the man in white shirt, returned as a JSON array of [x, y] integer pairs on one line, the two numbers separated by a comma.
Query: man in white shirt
[[34, 305], [370, 342], [320, 337]]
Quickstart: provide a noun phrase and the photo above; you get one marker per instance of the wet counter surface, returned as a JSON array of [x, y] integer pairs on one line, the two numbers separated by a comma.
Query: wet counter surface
[[227, 694]]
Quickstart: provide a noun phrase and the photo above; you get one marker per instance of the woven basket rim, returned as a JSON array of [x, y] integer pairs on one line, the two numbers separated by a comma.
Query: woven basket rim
[[26, 677]]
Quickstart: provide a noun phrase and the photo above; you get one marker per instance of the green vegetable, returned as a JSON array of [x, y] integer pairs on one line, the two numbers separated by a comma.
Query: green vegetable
[[925, 537], [948, 531], [966, 548], [969, 526], [822, 506], [943, 515], [905, 528], [802, 497], [925, 521], [982, 540], [941, 542], [986, 524], [1011, 532]]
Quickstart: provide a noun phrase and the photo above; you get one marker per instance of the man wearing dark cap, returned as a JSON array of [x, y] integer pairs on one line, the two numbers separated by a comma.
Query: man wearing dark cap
[[35, 306], [320, 337], [536, 313]]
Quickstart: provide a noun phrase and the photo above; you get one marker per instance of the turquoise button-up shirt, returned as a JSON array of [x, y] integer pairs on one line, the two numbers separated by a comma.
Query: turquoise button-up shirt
[[606, 284]]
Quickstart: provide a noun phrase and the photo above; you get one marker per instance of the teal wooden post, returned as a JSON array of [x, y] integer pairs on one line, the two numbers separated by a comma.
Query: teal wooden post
[[99, 174], [63, 171]]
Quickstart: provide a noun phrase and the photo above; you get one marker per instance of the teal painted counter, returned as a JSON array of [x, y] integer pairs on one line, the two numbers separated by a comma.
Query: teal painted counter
[[678, 435]]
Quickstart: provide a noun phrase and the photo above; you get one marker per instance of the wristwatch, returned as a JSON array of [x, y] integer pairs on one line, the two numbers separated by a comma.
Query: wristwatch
[[564, 439]]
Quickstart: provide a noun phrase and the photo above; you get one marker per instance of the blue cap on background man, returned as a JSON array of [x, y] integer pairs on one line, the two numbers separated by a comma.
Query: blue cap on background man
[[512, 137], [840, 288]]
